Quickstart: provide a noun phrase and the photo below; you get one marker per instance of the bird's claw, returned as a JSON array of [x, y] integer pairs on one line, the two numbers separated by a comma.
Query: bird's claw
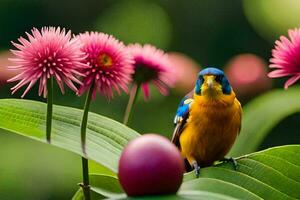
[[232, 160], [197, 169]]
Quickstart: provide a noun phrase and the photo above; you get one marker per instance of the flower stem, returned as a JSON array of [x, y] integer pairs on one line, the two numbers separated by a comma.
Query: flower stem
[[132, 99], [85, 167], [49, 108], [85, 117], [85, 174]]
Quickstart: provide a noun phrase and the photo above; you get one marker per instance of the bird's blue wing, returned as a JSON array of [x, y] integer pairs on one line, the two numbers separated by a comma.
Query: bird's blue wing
[[182, 110], [181, 116]]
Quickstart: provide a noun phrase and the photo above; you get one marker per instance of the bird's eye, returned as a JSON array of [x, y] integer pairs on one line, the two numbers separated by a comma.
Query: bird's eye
[[219, 78], [199, 82], [201, 79]]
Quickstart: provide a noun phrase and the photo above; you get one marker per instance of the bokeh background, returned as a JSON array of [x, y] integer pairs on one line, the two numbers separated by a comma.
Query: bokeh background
[[235, 35]]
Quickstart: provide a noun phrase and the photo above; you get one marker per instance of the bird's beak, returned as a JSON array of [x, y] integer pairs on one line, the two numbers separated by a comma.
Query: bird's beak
[[210, 81]]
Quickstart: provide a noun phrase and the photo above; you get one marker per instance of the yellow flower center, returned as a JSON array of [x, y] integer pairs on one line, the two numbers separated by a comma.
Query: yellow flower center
[[105, 60]]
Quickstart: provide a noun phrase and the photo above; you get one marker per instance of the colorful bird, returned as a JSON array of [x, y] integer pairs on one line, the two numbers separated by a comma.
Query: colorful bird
[[207, 120]]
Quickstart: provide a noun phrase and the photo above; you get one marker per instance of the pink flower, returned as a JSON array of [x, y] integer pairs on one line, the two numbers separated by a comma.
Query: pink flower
[[109, 64], [46, 53], [151, 66], [286, 58]]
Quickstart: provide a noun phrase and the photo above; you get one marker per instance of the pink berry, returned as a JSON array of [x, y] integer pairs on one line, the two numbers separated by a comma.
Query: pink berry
[[150, 165]]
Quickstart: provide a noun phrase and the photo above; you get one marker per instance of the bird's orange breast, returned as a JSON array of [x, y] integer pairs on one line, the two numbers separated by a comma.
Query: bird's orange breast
[[211, 130]]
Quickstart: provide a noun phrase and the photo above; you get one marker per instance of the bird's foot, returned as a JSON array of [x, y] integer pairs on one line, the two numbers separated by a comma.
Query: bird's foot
[[196, 168], [231, 160]]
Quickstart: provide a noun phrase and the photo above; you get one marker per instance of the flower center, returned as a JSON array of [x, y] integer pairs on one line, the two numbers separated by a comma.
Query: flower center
[[49, 63], [105, 60], [144, 74]]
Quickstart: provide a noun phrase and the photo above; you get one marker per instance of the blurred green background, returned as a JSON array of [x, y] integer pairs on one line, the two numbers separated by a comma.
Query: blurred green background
[[234, 35]]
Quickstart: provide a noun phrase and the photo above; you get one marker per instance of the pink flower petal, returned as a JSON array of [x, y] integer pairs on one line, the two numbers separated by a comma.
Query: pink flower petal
[[291, 81], [278, 73], [285, 57], [146, 91]]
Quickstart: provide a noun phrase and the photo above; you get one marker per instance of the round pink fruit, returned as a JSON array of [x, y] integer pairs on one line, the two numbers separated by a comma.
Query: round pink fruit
[[150, 165]]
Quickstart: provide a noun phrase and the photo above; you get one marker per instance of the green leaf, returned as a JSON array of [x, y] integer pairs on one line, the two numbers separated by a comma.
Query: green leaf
[[105, 185], [187, 195], [268, 174], [261, 115], [79, 195], [96, 168], [102, 185], [105, 137]]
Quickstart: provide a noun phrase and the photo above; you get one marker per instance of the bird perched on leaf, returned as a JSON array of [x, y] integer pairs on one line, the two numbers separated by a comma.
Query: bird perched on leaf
[[207, 120]]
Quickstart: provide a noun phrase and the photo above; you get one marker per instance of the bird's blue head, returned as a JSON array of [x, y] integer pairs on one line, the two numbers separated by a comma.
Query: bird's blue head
[[212, 81]]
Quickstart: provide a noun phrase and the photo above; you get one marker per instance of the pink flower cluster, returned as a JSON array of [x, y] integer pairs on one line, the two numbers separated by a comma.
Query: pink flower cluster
[[50, 52], [109, 64], [91, 60]]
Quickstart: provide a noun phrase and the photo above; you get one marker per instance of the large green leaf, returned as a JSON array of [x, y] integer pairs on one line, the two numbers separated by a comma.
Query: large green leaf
[[261, 115], [270, 174], [105, 137]]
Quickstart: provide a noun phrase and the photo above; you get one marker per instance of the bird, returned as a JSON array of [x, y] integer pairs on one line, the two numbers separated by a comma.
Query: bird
[[207, 121]]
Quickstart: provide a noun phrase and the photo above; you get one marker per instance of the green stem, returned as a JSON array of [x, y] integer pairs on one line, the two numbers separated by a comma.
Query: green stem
[[85, 117], [131, 102], [49, 108], [85, 168], [85, 174]]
